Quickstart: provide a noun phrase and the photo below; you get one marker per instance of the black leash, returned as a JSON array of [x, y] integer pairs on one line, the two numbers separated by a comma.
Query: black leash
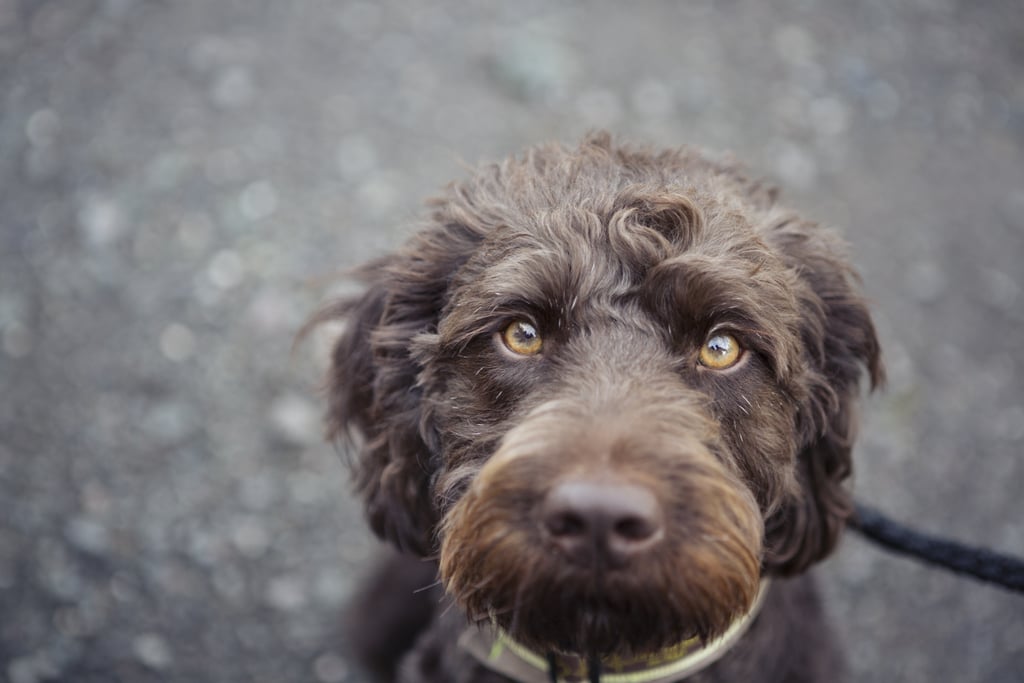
[[552, 667], [981, 563]]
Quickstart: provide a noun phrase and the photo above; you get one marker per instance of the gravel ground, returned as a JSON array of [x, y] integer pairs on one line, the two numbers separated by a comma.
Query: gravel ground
[[179, 181]]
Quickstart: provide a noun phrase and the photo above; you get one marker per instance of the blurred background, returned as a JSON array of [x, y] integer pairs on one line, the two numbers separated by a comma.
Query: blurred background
[[180, 181]]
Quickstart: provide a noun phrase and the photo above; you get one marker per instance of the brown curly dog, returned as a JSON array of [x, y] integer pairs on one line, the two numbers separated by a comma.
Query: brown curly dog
[[607, 395]]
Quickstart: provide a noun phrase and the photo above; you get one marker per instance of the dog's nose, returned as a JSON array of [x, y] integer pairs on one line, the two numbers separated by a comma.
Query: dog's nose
[[602, 523]]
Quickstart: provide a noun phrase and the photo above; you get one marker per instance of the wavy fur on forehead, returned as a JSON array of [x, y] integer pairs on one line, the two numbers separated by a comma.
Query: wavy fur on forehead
[[696, 238]]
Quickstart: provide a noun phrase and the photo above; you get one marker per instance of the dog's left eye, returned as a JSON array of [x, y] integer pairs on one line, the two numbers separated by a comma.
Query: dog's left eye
[[522, 338], [721, 351]]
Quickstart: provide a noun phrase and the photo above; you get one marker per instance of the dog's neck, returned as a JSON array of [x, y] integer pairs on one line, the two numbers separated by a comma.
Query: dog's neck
[[496, 650]]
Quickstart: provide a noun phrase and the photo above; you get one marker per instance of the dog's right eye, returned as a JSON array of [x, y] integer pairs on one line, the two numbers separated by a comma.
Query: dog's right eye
[[522, 338]]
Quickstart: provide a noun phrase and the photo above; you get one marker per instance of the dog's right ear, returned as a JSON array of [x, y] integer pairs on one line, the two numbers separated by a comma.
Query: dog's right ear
[[374, 402], [369, 404], [375, 393]]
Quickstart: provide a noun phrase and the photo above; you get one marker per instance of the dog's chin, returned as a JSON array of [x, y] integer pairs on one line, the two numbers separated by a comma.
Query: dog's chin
[[612, 624], [626, 613], [599, 629]]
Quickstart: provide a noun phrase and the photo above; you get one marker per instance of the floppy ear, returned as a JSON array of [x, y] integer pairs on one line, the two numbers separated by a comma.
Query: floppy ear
[[371, 400], [375, 392], [840, 345]]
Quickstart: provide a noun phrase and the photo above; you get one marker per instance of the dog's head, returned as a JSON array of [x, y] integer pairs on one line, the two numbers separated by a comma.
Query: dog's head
[[611, 389]]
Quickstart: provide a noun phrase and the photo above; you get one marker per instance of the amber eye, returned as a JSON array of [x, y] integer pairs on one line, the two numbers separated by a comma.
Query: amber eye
[[522, 338], [720, 352]]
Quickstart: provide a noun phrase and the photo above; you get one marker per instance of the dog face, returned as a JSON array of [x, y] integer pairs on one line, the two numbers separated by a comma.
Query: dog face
[[611, 389]]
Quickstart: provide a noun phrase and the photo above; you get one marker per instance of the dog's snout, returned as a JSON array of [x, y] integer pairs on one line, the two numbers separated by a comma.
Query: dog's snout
[[601, 523]]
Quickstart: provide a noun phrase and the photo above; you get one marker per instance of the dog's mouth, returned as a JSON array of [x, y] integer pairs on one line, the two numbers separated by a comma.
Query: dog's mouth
[[599, 629], [615, 616]]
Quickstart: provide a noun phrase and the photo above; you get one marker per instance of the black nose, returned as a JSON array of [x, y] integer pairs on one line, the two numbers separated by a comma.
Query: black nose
[[602, 523]]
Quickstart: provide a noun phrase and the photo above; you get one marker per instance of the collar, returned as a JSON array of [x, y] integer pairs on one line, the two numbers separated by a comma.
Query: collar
[[495, 649]]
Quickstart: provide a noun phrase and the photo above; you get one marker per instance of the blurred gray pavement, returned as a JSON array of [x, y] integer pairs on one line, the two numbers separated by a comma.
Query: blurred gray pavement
[[180, 181]]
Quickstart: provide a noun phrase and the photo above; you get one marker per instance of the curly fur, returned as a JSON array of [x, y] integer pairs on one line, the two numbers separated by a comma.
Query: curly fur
[[626, 260]]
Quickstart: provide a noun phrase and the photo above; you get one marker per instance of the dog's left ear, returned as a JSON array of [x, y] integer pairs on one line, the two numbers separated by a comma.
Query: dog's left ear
[[840, 346]]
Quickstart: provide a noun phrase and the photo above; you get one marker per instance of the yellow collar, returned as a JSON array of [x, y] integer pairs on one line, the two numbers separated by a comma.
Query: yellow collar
[[496, 650]]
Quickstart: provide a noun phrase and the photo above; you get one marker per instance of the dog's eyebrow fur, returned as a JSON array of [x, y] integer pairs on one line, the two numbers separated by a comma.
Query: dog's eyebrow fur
[[687, 287], [693, 293], [529, 278]]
